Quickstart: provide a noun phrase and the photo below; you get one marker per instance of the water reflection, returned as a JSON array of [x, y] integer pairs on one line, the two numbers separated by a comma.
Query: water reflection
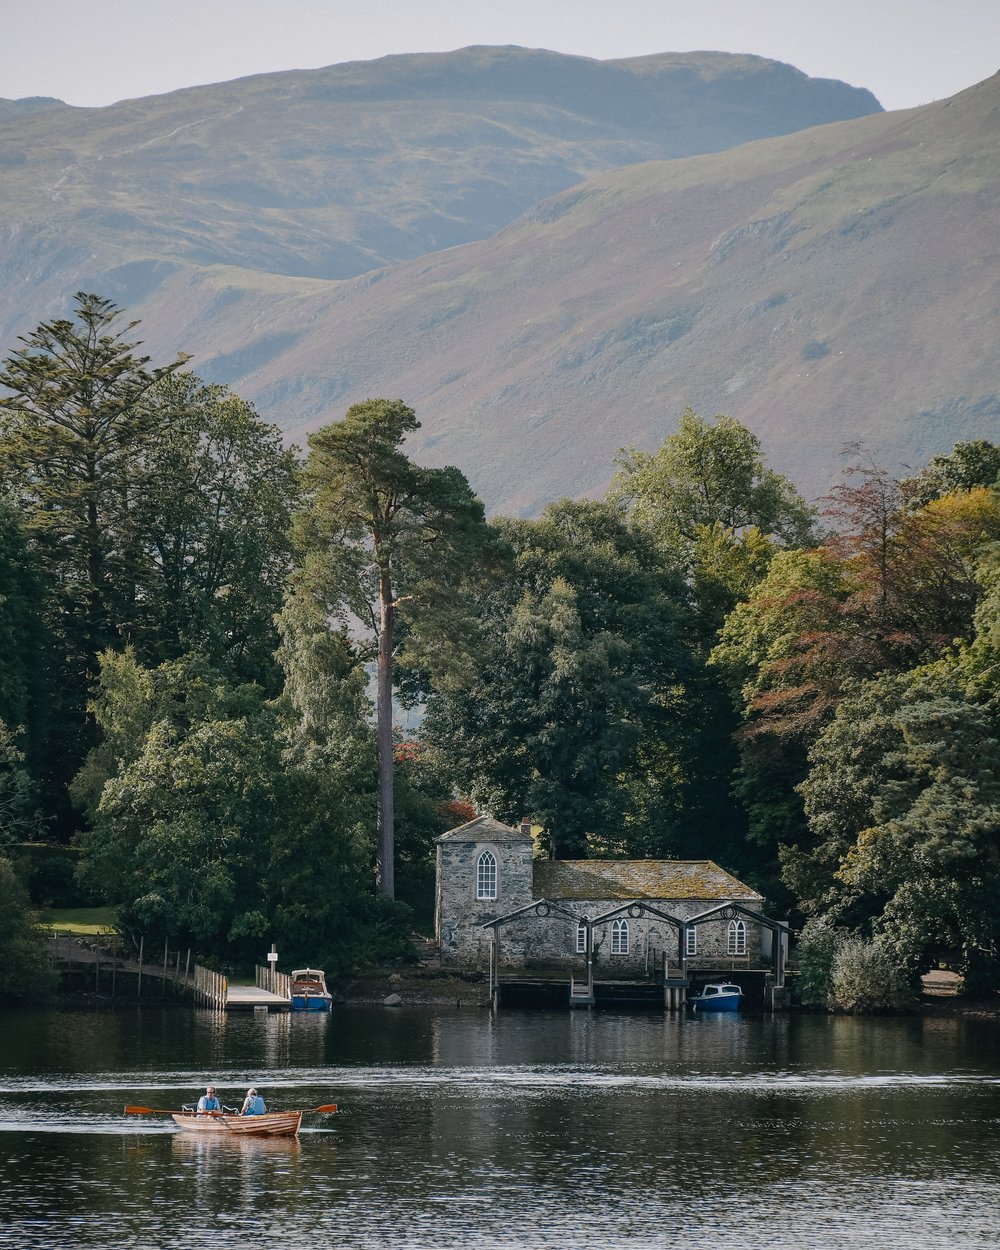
[[465, 1129]]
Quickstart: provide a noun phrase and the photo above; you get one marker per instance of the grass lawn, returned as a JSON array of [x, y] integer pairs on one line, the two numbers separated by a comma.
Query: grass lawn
[[79, 919]]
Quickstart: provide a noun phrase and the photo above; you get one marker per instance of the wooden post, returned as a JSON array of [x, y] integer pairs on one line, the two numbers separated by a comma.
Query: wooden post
[[187, 964], [590, 961], [138, 988]]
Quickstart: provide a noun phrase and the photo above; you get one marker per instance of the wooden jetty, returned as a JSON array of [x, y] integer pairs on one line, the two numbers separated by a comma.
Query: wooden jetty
[[107, 973]]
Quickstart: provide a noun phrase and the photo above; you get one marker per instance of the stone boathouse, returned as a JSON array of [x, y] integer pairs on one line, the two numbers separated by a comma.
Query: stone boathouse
[[486, 873]]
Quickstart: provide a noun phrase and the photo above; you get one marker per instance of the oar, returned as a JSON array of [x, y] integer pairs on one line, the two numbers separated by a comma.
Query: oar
[[166, 1111], [328, 1108]]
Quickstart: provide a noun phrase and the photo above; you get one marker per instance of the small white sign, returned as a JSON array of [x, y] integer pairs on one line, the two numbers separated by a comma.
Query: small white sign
[[272, 957]]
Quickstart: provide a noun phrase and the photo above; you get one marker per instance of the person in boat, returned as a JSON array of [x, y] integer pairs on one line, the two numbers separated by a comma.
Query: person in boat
[[253, 1104], [208, 1103]]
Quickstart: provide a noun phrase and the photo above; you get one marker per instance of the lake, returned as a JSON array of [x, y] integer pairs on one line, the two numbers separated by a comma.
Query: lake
[[459, 1128]]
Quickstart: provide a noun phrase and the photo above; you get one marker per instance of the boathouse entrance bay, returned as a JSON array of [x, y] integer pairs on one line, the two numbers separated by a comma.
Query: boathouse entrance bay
[[458, 1128]]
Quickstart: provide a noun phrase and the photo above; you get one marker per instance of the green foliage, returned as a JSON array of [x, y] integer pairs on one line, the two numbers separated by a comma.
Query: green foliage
[[846, 973], [706, 474], [815, 950], [214, 493], [25, 969], [903, 801], [865, 979], [967, 466], [52, 878], [576, 683], [384, 539], [69, 435], [156, 511], [21, 819], [25, 652]]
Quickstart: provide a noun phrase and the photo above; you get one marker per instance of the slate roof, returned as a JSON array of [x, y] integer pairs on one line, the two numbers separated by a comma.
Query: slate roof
[[638, 878], [484, 829]]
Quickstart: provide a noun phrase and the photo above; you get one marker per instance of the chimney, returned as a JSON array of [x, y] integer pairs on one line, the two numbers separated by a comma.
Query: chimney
[[526, 826]]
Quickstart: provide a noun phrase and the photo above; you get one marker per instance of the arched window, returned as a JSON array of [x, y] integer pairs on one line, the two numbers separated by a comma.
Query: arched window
[[486, 875], [736, 938], [581, 938], [619, 937], [691, 940]]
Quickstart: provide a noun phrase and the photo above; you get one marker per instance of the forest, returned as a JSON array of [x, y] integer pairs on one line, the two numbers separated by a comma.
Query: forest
[[206, 639]]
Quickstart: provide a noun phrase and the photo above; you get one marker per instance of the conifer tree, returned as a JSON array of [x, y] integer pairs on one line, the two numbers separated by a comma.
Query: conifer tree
[[389, 544]]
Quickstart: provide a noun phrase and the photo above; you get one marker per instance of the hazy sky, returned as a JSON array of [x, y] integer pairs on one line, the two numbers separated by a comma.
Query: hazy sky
[[907, 51]]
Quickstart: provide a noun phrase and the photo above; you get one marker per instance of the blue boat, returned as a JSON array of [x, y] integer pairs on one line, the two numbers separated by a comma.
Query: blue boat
[[309, 992], [717, 996]]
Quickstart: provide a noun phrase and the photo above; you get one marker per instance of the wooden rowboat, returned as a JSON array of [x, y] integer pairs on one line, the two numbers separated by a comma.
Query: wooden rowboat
[[271, 1124], [228, 1123]]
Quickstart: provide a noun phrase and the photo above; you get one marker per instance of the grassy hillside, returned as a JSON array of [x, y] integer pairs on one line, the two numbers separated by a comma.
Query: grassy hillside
[[834, 285], [331, 173]]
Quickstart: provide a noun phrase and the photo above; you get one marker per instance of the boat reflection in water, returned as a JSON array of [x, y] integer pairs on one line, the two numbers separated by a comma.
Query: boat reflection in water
[[221, 1145]]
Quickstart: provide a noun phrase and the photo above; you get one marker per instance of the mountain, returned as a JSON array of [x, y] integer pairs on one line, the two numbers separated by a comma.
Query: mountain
[[835, 284], [335, 172]]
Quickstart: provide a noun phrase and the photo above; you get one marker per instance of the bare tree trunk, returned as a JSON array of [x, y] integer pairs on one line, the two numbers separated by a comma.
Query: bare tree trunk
[[384, 868]]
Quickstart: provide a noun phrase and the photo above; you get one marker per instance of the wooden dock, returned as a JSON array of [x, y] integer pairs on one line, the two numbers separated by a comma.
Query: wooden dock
[[250, 997], [108, 971]]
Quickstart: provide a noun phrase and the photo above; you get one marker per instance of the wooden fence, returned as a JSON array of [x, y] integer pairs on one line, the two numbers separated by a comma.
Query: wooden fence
[[270, 978], [212, 988]]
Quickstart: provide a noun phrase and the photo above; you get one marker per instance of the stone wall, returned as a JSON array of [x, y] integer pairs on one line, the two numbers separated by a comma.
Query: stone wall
[[459, 913], [552, 939]]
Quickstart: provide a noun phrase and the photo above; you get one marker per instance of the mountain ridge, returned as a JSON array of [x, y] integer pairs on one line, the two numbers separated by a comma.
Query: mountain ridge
[[827, 285]]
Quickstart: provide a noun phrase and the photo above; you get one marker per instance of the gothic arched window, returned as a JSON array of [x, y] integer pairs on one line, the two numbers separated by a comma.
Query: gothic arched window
[[486, 876], [619, 937], [736, 938]]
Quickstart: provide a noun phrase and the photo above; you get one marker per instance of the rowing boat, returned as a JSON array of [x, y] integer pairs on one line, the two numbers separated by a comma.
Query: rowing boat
[[271, 1124]]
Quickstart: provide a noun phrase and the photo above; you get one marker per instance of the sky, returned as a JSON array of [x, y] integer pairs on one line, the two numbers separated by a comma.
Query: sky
[[908, 52]]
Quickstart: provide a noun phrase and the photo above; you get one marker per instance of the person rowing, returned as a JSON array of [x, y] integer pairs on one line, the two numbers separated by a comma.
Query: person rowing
[[208, 1104]]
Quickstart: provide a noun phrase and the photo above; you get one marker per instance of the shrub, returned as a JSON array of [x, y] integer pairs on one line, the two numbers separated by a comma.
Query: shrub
[[864, 979], [815, 951], [25, 970]]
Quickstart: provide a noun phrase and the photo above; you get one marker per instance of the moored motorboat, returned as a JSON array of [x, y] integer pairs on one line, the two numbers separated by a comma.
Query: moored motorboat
[[717, 996], [271, 1124], [308, 990]]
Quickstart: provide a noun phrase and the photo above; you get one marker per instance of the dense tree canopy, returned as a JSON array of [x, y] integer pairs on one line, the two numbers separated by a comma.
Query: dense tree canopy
[[577, 677], [189, 618]]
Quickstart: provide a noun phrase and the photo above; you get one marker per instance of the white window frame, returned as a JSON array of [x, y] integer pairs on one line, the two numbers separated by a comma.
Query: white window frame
[[691, 940], [619, 937], [486, 876], [736, 938], [581, 938]]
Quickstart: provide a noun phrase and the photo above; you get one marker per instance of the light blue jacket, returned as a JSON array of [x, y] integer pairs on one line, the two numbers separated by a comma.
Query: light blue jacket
[[254, 1106]]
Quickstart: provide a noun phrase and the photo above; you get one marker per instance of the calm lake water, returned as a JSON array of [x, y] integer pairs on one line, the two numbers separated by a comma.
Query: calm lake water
[[523, 1129]]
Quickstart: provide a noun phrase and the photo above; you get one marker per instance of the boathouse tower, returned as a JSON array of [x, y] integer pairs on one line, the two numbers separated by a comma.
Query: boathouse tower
[[484, 870]]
